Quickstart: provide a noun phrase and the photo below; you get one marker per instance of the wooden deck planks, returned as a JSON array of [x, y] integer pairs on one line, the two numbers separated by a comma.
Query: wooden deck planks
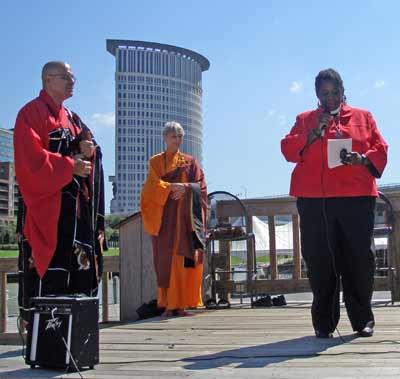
[[235, 343]]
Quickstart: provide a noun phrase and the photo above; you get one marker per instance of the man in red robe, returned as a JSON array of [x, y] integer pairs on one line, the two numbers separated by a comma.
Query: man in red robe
[[59, 173]]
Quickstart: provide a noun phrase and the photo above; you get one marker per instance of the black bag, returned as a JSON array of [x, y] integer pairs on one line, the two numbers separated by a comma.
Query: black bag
[[226, 231], [148, 310]]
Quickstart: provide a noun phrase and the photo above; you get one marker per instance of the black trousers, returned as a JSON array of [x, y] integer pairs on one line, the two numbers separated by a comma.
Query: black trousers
[[336, 236]]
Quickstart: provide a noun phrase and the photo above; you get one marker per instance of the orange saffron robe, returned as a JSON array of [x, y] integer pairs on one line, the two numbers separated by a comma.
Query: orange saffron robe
[[184, 288]]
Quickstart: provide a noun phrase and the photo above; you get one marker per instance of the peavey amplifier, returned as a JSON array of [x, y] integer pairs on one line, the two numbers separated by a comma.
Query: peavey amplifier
[[63, 330]]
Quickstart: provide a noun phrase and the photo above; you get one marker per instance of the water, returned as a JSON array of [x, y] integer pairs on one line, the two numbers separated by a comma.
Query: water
[[12, 295]]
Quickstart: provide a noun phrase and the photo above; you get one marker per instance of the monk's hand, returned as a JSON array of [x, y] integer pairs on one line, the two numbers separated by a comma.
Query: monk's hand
[[100, 238], [81, 168], [177, 191], [87, 148]]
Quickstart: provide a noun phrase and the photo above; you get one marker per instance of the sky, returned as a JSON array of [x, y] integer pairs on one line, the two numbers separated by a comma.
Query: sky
[[264, 57]]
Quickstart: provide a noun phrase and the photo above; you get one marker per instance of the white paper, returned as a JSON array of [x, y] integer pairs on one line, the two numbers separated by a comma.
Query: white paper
[[334, 148]]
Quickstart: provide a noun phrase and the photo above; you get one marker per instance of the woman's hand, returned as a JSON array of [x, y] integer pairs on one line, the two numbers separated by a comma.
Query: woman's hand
[[355, 159], [177, 191], [324, 120]]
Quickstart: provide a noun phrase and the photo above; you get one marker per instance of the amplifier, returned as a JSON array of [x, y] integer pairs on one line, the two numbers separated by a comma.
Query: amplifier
[[61, 330]]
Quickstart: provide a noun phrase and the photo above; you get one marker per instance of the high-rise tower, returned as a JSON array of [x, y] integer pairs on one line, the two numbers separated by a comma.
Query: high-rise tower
[[154, 83]]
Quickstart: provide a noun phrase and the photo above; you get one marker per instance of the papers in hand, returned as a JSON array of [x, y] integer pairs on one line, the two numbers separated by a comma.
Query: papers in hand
[[334, 148]]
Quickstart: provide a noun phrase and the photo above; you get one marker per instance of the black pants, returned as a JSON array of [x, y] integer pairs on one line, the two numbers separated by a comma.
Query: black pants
[[336, 236]]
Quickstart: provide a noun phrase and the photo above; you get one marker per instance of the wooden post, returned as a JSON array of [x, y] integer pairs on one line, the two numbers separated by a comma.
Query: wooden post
[[273, 264], [224, 263], [104, 294], [251, 261], [3, 302], [394, 258], [296, 248]]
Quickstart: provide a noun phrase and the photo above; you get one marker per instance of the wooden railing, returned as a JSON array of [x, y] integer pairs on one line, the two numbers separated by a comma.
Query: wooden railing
[[10, 265], [138, 282], [287, 206]]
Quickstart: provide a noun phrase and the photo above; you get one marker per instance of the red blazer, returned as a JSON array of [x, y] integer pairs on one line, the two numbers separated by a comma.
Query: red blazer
[[312, 178]]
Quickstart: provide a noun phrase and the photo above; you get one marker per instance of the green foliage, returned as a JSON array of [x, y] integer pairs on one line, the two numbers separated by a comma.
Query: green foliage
[[112, 231], [8, 234], [113, 220]]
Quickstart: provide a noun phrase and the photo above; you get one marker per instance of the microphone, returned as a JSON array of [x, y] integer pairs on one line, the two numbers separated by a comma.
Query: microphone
[[330, 113], [324, 126]]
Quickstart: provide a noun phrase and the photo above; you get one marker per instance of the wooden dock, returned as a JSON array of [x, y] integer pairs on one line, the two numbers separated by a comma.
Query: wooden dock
[[237, 343]]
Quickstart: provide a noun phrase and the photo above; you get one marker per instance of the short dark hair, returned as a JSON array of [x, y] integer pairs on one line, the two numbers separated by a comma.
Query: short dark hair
[[331, 75]]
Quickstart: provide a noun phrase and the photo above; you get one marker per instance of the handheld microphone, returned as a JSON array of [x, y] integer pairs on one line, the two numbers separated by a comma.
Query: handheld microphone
[[324, 126]]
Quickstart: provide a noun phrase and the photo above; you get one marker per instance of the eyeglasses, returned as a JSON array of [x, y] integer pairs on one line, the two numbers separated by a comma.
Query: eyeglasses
[[67, 78]]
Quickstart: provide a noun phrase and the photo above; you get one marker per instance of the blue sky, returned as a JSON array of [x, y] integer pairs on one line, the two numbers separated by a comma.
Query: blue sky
[[264, 57]]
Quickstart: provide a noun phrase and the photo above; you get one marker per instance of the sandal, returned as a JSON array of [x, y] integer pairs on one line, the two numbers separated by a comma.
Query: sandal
[[167, 313], [182, 313]]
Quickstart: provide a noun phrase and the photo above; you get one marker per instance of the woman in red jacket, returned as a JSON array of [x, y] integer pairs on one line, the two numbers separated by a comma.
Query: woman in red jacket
[[336, 204]]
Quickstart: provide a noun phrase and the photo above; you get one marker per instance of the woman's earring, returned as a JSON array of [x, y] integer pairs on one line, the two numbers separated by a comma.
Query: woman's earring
[[319, 104]]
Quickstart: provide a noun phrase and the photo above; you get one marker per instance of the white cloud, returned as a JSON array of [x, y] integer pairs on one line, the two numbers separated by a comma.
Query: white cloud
[[296, 87], [379, 83], [103, 119], [271, 112]]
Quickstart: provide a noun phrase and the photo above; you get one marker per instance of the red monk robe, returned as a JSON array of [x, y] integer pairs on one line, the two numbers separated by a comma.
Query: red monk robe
[[41, 174], [177, 259]]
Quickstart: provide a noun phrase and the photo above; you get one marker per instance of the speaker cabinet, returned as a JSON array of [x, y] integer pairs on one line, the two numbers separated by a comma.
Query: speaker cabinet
[[63, 329]]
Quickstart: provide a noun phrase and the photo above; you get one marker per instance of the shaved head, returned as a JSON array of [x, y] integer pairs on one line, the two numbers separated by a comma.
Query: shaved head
[[52, 67], [58, 80]]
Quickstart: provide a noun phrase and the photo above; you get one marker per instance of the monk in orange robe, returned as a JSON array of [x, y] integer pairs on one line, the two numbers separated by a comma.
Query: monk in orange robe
[[174, 208]]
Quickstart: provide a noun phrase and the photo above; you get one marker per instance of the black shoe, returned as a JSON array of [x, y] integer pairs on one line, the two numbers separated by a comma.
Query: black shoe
[[319, 334], [263, 302], [368, 330], [223, 304], [279, 301], [210, 304]]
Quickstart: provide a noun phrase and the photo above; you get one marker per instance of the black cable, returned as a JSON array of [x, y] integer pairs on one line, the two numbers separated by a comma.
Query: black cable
[[337, 280], [331, 252], [19, 318], [393, 342], [65, 343], [311, 355]]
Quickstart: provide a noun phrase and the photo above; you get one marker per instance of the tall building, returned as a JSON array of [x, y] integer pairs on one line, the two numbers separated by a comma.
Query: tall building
[[8, 193], [6, 146], [154, 83]]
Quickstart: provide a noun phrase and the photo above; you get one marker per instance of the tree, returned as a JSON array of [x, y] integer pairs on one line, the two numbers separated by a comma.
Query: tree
[[7, 233], [112, 231]]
